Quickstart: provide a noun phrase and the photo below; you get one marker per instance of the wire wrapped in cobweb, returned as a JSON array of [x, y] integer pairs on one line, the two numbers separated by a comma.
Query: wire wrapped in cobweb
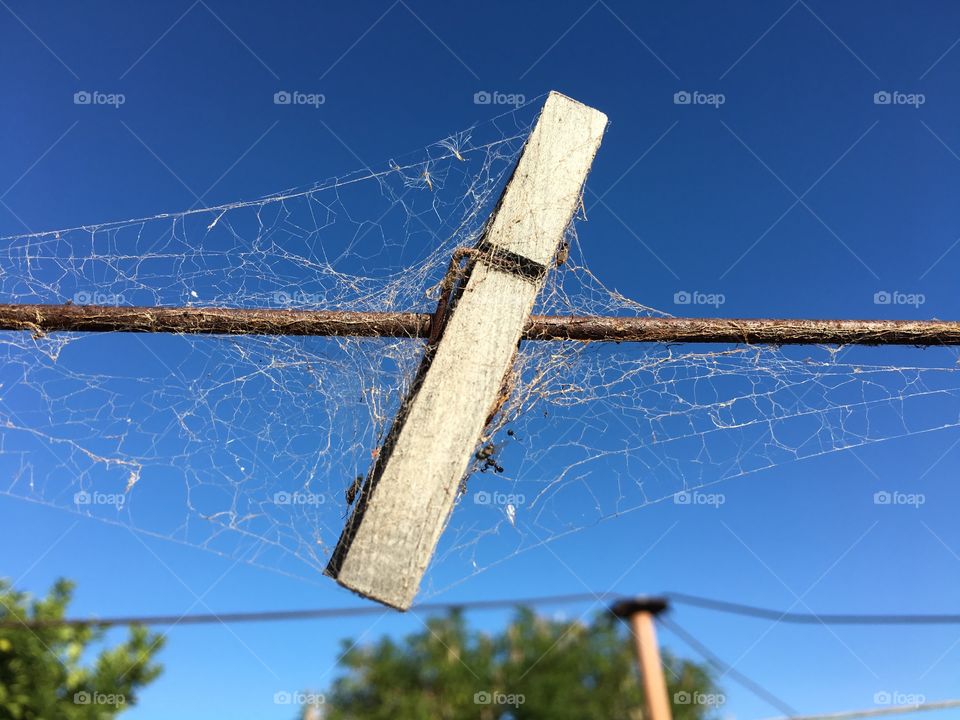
[[593, 431], [249, 445]]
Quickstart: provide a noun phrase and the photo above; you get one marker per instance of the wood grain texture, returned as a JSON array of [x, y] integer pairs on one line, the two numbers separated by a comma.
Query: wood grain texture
[[392, 534]]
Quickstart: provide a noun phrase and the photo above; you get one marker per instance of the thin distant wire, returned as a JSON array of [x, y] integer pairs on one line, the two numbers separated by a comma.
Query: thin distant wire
[[309, 614], [873, 712], [727, 669], [811, 618], [358, 611]]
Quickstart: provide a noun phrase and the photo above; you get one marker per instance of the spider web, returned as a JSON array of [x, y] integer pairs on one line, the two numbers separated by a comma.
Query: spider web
[[245, 446]]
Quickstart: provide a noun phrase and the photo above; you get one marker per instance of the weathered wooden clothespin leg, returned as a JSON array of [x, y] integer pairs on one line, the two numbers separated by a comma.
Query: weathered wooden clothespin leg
[[397, 520]]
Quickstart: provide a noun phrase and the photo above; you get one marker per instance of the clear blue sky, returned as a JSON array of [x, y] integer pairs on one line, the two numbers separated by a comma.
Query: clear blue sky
[[692, 197]]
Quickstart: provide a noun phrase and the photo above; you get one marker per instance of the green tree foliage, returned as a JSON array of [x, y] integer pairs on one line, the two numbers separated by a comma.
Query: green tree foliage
[[536, 668], [52, 673]]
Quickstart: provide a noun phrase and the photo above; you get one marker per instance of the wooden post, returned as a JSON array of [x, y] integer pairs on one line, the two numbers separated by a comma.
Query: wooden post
[[641, 612], [407, 499]]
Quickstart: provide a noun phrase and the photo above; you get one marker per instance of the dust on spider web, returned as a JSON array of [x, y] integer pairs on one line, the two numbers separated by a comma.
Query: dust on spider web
[[248, 446]]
